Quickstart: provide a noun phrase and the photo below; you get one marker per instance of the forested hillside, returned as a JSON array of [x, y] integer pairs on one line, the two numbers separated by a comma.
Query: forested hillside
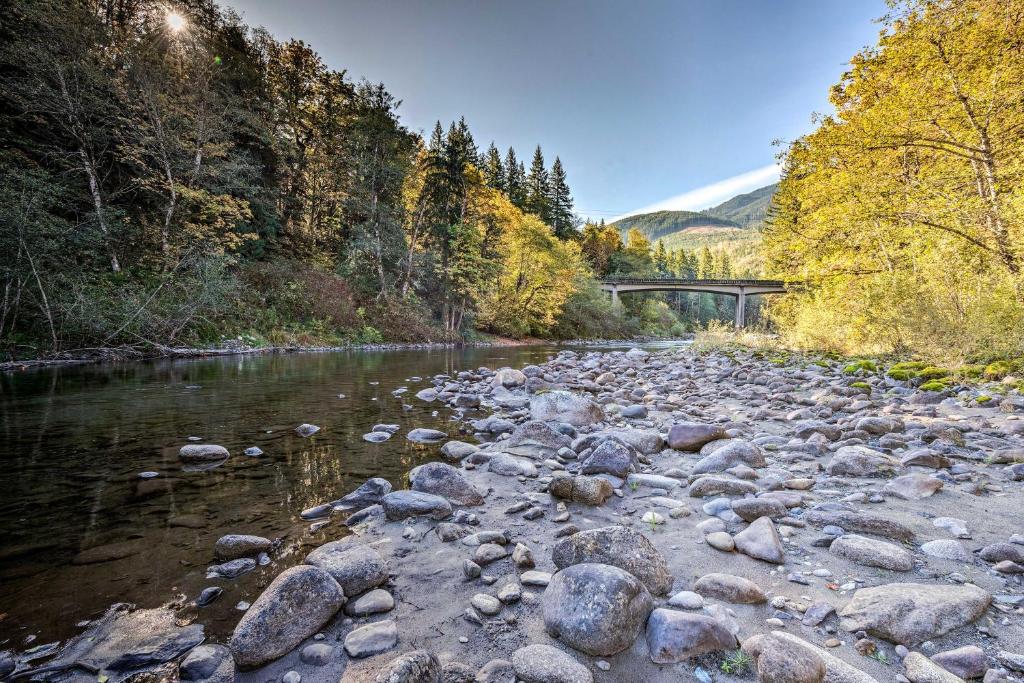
[[176, 177], [905, 209], [749, 209]]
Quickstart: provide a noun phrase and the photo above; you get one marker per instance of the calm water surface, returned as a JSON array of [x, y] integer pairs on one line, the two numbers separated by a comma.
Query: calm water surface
[[74, 440]]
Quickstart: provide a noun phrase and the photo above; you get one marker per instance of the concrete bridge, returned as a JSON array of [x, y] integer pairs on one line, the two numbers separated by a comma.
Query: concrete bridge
[[740, 289]]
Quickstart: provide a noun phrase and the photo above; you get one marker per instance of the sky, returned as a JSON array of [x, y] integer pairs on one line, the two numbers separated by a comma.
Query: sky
[[651, 104]]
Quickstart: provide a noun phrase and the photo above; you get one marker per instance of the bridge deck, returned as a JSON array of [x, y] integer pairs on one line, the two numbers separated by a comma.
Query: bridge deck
[[685, 281]]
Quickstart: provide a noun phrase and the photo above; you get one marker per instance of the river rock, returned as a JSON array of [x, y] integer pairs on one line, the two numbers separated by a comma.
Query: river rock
[[720, 486], [233, 546], [423, 435], [401, 504], [418, 666], [872, 553], [376, 601], [966, 662], [372, 639], [836, 670], [861, 461], [610, 457], [914, 486], [920, 669], [729, 588], [537, 440], [564, 406], [293, 607], [595, 608], [910, 613], [208, 664], [732, 453], [781, 660], [510, 466], [690, 436], [195, 452], [674, 636], [306, 430], [357, 568], [749, 509], [761, 541], [508, 378], [620, 547], [540, 663], [457, 450], [863, 522], [946, 549], [441, 479], [585, 490], [370, 492]]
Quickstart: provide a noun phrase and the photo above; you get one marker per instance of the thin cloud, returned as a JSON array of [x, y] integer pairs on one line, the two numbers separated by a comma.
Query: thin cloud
[[715, 193]]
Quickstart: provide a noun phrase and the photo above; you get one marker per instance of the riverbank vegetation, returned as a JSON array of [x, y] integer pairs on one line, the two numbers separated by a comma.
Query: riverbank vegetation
[[903, 212], [171, 176]]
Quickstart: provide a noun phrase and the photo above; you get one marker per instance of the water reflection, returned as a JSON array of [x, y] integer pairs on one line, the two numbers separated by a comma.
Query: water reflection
[[74, 441]]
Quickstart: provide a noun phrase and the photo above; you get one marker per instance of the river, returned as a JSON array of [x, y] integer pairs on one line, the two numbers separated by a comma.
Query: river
[[82, 530]]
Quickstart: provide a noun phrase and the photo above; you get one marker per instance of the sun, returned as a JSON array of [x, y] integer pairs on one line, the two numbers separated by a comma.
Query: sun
[[175, 22]]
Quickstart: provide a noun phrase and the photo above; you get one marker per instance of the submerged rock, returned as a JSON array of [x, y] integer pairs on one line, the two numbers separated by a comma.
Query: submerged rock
[[199, 453]]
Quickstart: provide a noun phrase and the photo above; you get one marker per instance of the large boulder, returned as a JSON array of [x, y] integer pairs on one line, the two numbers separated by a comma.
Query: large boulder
[[441, 479], [731, 453], [357, 568], [784, 660], [402, 504], [910, 613], [872, 553], [861, 461], [914, 486], [293, 607], [836, 670], [545, 664], [564, 406], [674, 636], [620, 547], [690, 436], [610, 457], [595, 608]]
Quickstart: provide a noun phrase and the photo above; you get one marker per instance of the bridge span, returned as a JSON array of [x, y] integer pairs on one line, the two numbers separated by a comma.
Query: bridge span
[[740, 289]]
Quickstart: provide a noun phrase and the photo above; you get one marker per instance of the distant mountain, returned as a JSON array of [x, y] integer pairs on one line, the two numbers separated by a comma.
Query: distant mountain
[[746, 209], [729, 227], [664, 223]]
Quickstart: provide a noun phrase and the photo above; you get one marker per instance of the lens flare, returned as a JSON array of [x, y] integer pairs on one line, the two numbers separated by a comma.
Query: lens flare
[[175, 22]]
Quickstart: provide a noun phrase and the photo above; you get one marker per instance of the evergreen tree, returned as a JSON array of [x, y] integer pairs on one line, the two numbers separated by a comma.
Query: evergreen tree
[[515, 180], [661, 262], [537, 188], [469, 150], [494, 170], [562, 219]]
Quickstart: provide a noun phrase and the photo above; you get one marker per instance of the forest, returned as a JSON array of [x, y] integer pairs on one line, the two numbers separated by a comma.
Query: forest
[[903, 211], [175, 178]]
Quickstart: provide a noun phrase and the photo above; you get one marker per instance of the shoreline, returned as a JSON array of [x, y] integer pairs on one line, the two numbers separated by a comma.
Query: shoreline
[[112, 355], [750, 482]]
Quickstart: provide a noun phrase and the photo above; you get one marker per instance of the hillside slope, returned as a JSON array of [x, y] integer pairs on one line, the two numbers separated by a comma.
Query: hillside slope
[[748, 210]]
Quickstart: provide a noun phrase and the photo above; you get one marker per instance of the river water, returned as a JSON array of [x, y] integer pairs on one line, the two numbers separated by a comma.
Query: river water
[[80, 529]]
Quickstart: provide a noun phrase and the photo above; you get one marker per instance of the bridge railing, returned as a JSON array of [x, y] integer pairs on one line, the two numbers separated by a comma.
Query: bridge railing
[[686, 281]]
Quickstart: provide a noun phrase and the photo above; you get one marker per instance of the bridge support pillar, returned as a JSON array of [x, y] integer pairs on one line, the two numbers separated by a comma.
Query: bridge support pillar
[[615, 297], [741, 309]]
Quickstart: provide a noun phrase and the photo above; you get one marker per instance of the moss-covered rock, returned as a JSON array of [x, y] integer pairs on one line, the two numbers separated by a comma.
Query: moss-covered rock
[[861, 366]]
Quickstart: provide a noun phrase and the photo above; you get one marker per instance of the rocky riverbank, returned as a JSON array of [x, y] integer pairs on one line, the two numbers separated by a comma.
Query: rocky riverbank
[[636, 517]]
